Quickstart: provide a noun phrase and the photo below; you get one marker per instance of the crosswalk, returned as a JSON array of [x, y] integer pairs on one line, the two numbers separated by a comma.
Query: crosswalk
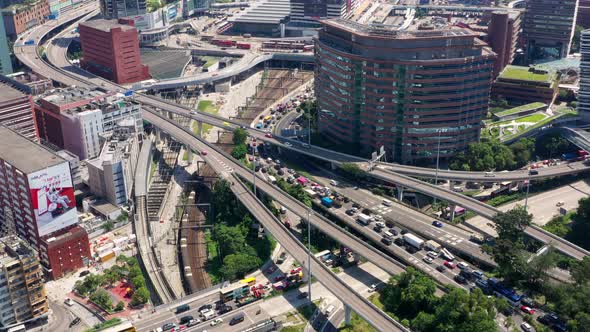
[[381, 209], [450, 239], [223, 164]]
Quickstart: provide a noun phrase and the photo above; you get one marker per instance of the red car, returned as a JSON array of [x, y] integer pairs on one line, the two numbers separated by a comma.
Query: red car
[[528, 310], [204, 153], [296, 270], [269, 135], [450, 265]]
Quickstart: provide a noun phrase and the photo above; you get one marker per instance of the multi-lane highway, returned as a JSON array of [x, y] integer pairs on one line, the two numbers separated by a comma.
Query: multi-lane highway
[[229, 169]]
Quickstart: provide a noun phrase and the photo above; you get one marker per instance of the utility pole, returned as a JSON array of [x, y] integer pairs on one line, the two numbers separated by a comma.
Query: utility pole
[[309, 253]]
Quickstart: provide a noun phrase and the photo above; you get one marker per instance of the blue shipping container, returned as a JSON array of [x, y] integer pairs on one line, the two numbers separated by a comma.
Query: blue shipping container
[[128, 93], [569, 156], [30, 42], [327, 202]]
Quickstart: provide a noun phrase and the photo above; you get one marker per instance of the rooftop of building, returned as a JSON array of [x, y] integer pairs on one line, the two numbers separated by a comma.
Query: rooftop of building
[[71, 94], [105, 208], [530, 74], [116, 147], [8, 93], [62, 235], [13, 248], [106, 25], [17, 6], [24, 154], [387, 31], [97, 98], [266, 11]]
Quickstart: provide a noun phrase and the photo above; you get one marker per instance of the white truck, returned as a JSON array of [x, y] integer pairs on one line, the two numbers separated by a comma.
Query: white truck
[[413, 240], [432, 245], [272, 179], [364, 219]]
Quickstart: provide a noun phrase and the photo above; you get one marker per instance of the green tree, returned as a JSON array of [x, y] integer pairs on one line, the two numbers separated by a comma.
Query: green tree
[[508, 250], [240, 136], [581, 323], [120, 306], [580, 271], [353, 170], [551, 146], [408, 293], [138, 282], [484, 156], [102, 299], [239, 151], [140, 296], [581, 224], [237, 265], [111, 277], [523, 151], [231, 239], [108, 225]]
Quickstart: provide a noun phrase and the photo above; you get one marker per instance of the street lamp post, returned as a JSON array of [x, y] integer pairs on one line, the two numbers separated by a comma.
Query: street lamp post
[[309, 253], [437, 160]]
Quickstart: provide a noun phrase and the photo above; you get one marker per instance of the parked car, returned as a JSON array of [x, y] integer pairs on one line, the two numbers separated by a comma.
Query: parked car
[[527, 310], [302, 295], [526, 327]]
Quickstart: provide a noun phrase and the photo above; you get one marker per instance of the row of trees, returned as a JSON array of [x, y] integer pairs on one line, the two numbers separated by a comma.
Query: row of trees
[[494, 155], [410, 297], [239, 139], [575, 227], [240, 249]]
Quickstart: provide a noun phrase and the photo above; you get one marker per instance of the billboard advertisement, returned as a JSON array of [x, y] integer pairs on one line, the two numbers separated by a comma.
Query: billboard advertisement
[[52, 196]]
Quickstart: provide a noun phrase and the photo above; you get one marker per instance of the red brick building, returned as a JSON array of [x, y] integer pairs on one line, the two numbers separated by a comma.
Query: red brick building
[[503, 34], [65, 251], [16, 110], [19, 17], [37, 202], [110, 49]]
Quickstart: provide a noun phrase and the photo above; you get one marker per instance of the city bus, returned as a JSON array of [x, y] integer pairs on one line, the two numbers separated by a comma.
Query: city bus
[[125, 326], [233, 291]]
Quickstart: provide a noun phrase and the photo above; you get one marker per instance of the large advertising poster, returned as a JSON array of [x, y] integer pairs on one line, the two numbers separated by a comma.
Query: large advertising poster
[[52, 195]]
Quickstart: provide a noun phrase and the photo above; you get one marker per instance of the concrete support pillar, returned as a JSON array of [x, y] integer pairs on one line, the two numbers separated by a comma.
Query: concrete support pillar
[[189, 155], [453, 212], [400, 193], [347, 314], [199, 128]]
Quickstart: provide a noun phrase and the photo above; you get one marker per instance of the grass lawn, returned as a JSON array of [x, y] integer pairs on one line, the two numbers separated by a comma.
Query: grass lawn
[[523, 73], [531, 118], [294, 328], [209, 60], [519, 109], [207, 107], [357, 324]]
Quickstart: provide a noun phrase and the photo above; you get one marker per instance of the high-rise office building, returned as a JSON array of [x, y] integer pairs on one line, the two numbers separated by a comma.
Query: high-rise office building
[[584, 92], [22, 296], [403, 90], [110, 48], [549, 28], [584, 14], [122, 8], [503, 34], [37, 201]]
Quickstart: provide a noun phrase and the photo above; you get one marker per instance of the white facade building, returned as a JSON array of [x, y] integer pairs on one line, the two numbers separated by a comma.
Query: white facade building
[[584, 92]]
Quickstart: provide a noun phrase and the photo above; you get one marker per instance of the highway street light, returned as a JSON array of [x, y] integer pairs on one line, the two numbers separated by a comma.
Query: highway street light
[[309, 253]]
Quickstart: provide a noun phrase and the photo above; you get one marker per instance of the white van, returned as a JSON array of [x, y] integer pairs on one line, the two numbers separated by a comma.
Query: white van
[[388, 234], [334, 183], [387, 202]]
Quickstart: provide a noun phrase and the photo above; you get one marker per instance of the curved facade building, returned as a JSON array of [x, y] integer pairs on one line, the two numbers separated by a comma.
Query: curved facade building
[[404, 90]]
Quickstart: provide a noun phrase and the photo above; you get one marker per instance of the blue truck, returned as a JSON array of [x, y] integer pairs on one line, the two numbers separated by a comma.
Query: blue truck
[[569, 156], [30, 42], [327, 202]]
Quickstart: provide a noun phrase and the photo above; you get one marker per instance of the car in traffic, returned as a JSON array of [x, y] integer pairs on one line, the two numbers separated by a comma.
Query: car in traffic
[[478, 274], [441, 268], [193, 322], [372, 288], [205, 307], [204, 152], [225, 309], [386, 241], [216, 321], [186, 319], [287, 144], [462, 265], [428, 260], [182, 308], [268, 135], [168, 326], [460, 279], [437, 223], [450, 265], [236, 319], [527, 309], [432, 254], [377, 229]]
